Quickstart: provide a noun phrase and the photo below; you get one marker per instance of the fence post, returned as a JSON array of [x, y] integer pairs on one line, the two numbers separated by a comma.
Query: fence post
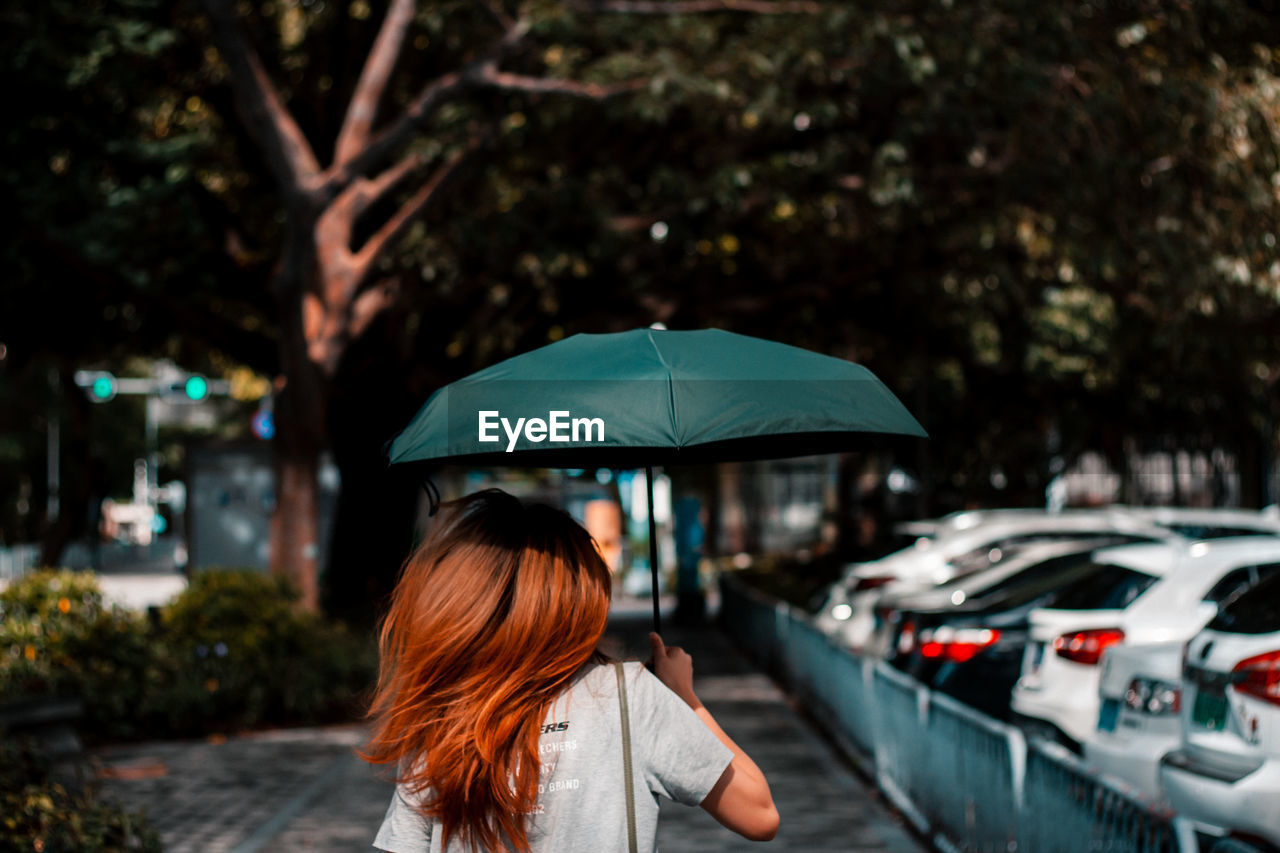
[[1017, 764]]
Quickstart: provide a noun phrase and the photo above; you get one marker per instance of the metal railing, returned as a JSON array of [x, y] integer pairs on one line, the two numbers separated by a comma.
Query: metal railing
[[967, 781]]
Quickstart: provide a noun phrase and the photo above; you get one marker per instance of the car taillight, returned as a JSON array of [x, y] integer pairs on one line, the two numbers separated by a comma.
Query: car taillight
[[1259, 676], [907, 638], [957, 645], [1087, 646], [865, 584], [1153, 697]]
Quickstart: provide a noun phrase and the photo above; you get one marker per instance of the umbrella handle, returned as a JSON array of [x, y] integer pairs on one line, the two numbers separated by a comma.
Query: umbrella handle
[[433, 496], [653, 548]]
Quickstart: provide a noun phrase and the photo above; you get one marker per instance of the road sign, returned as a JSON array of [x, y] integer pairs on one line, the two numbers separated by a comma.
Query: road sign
[[264, 424]]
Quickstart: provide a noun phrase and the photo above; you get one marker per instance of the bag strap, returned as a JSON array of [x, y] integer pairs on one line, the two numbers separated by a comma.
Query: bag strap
[[626, 757]]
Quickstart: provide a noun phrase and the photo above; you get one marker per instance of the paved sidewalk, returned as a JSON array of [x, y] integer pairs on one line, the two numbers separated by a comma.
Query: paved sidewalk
[[304, 790]]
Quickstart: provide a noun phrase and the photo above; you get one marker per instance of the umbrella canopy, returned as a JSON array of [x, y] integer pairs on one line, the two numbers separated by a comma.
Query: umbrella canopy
[[653, 397]]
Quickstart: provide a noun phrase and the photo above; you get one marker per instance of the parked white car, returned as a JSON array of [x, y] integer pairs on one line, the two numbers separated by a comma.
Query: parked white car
[[1152, 594], [1226, 775], [1140, 694], [957, 522], [849, 610], [1220, 523]]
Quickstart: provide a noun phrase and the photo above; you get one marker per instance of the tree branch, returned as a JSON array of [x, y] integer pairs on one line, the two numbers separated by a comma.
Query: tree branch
[[427, 101], [377, 149], [489, 75], [333, 229], [288, 153], [495, 9], [697, 7], [373, 80], [401, 219], [481, 71], [365, 191], [372, 302]]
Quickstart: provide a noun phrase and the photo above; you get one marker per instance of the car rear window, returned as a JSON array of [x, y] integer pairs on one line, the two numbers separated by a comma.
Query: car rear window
[[1256, 611], [1051, 570], [1237, 582], [993, 553], [1109, 588]]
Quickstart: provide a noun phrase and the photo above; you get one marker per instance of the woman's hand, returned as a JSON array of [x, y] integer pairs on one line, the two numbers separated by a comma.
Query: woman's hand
[[741, 799], [674, 668]]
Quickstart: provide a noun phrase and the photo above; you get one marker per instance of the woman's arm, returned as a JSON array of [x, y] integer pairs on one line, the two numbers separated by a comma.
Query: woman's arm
[[741, 799]]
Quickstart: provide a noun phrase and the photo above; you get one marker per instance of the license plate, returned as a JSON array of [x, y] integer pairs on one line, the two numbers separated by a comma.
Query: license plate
[[1210, 710], [1108, 714]]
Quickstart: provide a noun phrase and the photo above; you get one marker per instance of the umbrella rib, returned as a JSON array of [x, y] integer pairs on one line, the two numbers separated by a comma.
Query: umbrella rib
[[671, 391]]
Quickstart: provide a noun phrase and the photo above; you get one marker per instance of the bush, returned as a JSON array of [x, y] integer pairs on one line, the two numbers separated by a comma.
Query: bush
[[40, 615], [39, 814], [239, 653], [58, 638], [231, 652]]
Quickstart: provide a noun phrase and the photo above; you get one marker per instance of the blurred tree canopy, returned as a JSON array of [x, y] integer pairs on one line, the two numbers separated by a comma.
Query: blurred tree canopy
[[1048, 227]]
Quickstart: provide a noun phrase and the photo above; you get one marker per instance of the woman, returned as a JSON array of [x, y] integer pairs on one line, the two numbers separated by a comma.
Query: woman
[[502, 717]]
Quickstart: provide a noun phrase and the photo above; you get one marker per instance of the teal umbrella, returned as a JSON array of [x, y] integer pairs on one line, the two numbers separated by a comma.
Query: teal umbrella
[[653, 397]]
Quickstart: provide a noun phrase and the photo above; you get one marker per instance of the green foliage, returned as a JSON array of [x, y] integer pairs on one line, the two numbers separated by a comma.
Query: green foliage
[[39, 814], [231, 652], [58, 638], [43, 617], [1027, 218], [238, 653]]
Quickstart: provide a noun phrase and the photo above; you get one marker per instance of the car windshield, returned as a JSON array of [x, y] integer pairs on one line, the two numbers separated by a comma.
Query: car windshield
[[1109, 588], [1257, 611]]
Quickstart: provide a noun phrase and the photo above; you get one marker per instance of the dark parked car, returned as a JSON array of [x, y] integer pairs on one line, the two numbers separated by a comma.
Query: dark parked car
[[969, 643]]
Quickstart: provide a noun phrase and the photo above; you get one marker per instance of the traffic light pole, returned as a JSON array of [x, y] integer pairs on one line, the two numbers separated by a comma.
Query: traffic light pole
[[167, 381], [153, 451], [53, 457]]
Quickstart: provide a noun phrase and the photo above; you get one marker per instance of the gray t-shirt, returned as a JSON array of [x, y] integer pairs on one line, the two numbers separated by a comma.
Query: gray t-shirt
[[581, 801]]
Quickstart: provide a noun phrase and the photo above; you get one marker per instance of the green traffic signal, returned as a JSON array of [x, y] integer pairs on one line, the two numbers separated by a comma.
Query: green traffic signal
[[103, 388], [196, 387]]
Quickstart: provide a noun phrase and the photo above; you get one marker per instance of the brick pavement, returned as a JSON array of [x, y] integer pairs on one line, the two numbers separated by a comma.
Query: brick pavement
[[304, 790]]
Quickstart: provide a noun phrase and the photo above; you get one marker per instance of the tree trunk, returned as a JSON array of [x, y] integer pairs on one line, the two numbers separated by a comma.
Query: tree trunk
[[301, 415], [373, 523], [294, 549]]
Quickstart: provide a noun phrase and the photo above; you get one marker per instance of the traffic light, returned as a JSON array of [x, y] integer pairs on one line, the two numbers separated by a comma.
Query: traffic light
[[169, 383], [100, 385], [193, 388], [196, 387]]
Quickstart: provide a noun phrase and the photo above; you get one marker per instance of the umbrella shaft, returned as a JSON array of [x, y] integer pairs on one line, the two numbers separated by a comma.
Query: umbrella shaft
[[653, 548]]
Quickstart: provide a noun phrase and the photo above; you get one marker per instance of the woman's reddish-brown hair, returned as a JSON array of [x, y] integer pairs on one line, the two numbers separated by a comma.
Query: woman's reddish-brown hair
[[493, 616]]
